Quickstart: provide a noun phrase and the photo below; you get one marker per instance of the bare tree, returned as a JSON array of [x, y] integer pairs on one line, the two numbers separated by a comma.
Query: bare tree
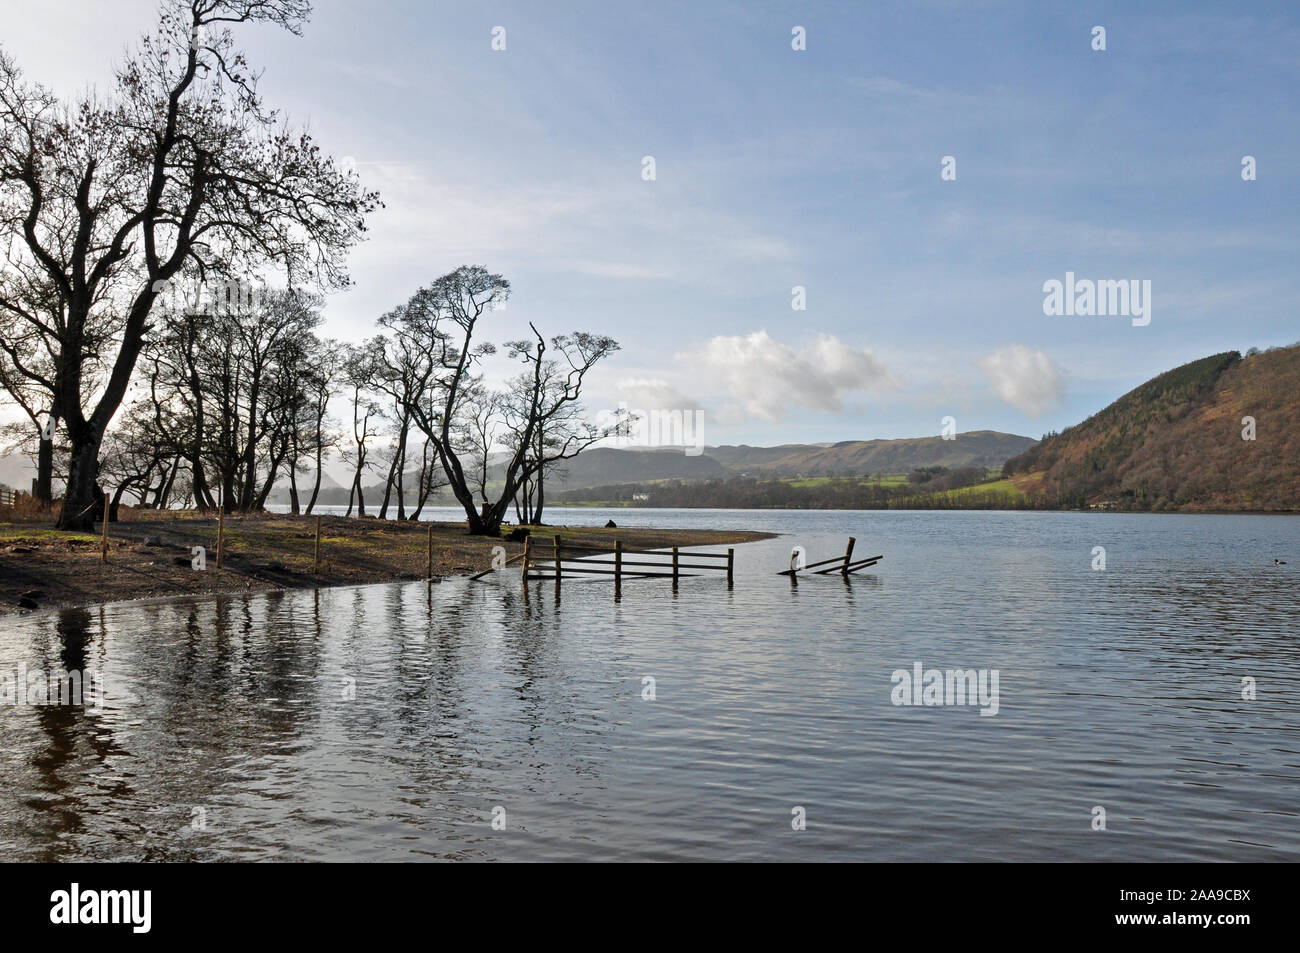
[[272, 342], [360, 370], [301, 383], [181, 171], [477, 429], [428, 479], [403, 372], [324, 436], [441, 321], [24, 365], [545, 414]]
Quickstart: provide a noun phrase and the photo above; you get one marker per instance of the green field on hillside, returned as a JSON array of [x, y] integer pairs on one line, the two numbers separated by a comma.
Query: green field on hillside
[[977, 494]]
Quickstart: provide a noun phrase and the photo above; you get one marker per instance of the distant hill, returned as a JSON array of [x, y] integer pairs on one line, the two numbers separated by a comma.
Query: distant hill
[[593, 467], [606, 467], [609, 467], [1175, 443], [331, 491], [602, 465], [978, 448]]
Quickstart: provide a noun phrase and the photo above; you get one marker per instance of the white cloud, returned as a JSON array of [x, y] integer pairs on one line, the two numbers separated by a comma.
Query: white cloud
[[641, 393], [1025, 378], [768, 379]]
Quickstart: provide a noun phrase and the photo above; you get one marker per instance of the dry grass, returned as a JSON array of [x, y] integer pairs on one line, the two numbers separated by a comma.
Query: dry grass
[[149, 554]]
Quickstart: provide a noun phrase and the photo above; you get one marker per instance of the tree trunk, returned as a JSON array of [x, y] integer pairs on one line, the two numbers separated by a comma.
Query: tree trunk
[[165, 501], [539, 496], [388, 487], [259, 504], [423, 482], [315, 490], [490, 521], [117, 501], [202, 495], [401, 466], [228, 491], [165, 485], [83, 503], [250, 447], [44, 487]]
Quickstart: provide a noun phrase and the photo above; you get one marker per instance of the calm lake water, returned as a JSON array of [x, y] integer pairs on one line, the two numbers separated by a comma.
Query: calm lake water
[[388, 722]]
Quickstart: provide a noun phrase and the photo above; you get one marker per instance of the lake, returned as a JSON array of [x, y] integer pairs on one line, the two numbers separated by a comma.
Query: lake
[[479, 720]]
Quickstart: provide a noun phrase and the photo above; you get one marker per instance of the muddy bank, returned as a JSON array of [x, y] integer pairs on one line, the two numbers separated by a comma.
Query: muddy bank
[[149, 554]]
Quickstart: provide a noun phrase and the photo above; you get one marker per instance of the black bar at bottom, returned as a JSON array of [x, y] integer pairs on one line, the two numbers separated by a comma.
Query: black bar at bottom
[[294, 902]]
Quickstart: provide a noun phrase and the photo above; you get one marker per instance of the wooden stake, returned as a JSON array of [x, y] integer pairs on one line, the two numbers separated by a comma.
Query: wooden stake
[[731, 562], [315, 564], [848, 557], [528, 548], [557, 558], [103, 546], [674, 567], [221, 531], [618, 567], [428, 563]]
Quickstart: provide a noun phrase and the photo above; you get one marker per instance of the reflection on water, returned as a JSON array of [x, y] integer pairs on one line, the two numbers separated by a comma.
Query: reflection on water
[[387, 722]]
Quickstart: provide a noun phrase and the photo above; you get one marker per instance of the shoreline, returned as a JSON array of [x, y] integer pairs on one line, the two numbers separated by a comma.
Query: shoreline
[[149, 555], [615, 505]]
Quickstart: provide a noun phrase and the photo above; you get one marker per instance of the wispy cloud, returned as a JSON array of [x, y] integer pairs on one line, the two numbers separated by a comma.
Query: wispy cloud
[[1025, 378], [765, 378]]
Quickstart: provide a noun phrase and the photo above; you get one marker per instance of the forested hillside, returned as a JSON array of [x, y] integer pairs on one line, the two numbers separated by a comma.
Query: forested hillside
[[1176, 442]]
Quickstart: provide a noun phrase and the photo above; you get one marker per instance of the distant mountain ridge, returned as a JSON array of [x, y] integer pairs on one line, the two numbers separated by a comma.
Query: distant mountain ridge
[[606, 466], [1176, 442], [977, 448]]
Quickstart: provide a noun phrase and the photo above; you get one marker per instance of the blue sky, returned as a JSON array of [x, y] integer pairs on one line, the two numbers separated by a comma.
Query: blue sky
[[818, 168]]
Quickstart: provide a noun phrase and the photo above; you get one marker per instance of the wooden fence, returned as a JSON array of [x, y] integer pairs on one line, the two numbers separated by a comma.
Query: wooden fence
[[840, 564], [561, 559]]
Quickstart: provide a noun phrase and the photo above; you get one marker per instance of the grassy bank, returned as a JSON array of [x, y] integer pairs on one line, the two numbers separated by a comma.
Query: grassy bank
[[149, 554]]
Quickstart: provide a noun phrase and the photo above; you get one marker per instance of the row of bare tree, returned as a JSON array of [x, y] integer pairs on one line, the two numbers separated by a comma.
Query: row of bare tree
[[180, 176], [229, 403], [178, 172], [429, 368]]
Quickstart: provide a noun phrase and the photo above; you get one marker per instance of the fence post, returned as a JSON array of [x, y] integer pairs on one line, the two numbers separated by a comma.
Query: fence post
[[731, 562], [528, 545], [103, 546], [557, 558], [848, 555], [315, 566], [618, 566], [428, 561], [221, 530], [674, 567]]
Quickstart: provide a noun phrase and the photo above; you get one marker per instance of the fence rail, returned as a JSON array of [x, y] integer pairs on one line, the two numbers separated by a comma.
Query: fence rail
[[842, 564], [561, 559]]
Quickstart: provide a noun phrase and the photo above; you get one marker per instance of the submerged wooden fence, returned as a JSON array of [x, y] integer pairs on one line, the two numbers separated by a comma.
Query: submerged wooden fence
[[561, 559], [841, 564], [557, 559]]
